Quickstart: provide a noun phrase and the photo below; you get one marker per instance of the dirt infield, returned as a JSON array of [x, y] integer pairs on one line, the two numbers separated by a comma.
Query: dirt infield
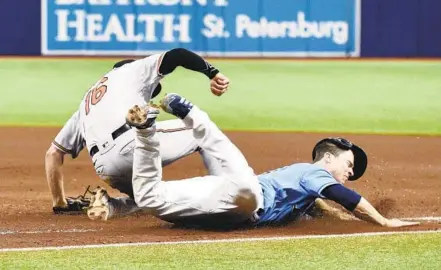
[[402, 180]]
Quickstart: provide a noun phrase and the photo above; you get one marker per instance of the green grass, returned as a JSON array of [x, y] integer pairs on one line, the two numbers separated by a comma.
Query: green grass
[[380, 252], [334, 96]]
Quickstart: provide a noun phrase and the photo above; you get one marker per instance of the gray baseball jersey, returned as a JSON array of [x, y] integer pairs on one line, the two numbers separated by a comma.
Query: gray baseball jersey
[[102, 110], [99, 125]]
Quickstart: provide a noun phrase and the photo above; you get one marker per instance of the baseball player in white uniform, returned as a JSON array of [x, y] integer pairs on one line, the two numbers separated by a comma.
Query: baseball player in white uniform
[[99, 124], [228, 198]]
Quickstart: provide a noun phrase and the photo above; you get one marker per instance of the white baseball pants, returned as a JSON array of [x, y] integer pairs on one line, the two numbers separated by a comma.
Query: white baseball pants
[[229, 198]]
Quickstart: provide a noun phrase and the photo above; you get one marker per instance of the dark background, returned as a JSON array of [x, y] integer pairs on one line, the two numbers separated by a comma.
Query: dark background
[[390, 28]]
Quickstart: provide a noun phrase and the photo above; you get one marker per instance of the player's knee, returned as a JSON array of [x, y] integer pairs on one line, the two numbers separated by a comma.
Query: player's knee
[[246, 201], [140, 201], [145, 201]]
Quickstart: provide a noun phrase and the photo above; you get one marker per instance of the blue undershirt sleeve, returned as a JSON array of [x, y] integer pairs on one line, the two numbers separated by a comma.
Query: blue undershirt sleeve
[[340, 194]]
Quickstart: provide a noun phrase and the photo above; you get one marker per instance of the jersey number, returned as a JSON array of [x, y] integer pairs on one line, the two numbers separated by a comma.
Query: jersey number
[[96, 94]]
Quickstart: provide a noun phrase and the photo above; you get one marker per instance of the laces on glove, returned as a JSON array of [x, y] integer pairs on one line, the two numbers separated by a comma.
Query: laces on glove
[[75, 205]]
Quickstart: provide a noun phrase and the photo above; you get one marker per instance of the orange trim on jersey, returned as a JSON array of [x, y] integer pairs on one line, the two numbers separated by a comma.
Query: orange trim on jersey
[[171, 130], [61, 148], [159, 64]]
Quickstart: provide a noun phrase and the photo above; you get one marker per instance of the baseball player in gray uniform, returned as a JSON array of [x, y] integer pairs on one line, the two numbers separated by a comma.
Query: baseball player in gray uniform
[[99, 124]]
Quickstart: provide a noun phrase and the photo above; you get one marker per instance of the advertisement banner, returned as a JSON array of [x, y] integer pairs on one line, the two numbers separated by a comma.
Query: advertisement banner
[[277, 28]]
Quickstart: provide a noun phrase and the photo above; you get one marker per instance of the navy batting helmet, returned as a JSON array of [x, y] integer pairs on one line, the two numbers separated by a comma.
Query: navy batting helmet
[[360, 157]]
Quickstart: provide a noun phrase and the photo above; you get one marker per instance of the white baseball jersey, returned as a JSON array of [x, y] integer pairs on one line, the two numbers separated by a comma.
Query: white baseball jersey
[[102, 113]]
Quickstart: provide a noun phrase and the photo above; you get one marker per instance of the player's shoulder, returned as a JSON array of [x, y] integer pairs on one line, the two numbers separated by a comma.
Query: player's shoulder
[[295, 167], [151, 58], [140, 66], [308, 168], [313, 171]]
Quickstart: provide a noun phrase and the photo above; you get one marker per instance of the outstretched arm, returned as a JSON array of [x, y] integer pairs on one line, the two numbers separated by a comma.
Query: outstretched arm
[[361, 208], [328, 210], [367, 212], [53, 164], [189, 60]]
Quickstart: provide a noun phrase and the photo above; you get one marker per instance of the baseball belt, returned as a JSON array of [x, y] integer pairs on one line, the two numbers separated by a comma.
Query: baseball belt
[[118, 132]]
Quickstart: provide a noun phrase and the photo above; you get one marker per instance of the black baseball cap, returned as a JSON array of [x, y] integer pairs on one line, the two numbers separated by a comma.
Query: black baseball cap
[[123, 62], [360, 157]]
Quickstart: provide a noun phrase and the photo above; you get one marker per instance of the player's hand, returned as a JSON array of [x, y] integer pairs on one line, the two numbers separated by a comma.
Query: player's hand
[[74, 206], [60, 205], [219, 84], [395, 223]]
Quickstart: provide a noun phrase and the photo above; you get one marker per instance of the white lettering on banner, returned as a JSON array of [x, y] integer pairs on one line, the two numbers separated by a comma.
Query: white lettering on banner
[[150, 24], [129, 2], [182, 27], [218, 3], [169, 2], [92, 27], [63, 25], [214, 27], [338, 31], [100, 2], [130, 28], [113, 27]]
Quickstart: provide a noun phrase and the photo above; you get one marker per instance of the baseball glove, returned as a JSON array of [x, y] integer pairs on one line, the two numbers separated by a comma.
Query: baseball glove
[[75, 205]]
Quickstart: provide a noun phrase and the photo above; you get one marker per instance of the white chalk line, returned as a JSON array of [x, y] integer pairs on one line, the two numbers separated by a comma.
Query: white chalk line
[[9, 232], [428, 219], [74, 230], [231, 240], [228, 240]]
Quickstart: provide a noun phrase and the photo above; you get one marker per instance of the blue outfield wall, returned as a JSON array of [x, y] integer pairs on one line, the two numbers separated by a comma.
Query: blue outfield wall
[[20, 27], [367, 28], [401, 28]]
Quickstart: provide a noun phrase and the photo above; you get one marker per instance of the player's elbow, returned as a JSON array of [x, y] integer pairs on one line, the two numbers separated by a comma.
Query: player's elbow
[[53, 154], [51, 151], [246, 201]]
